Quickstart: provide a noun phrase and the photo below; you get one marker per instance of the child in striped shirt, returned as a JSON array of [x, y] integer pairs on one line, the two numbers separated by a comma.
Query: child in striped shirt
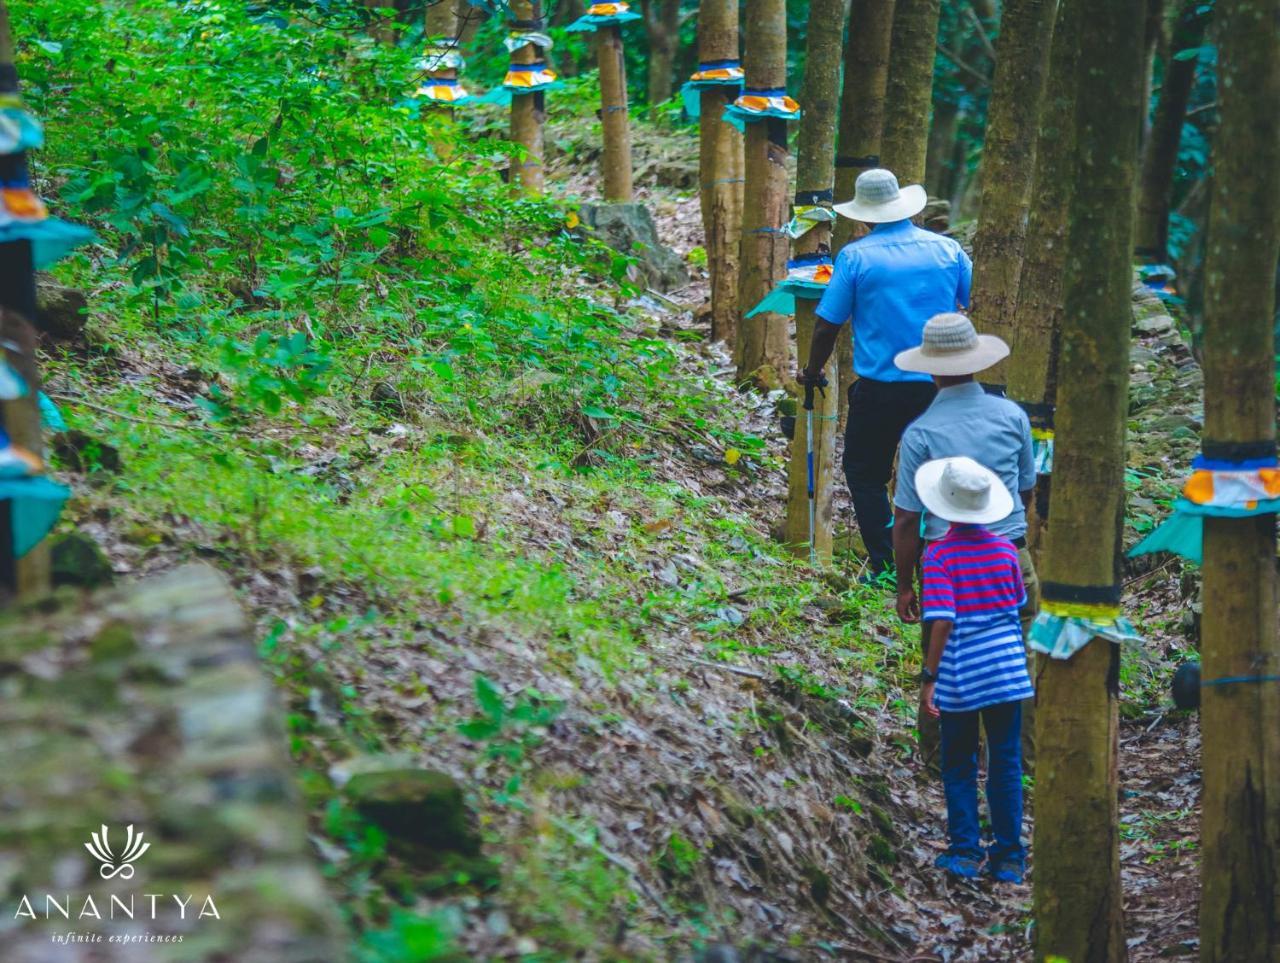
[[975, 667]]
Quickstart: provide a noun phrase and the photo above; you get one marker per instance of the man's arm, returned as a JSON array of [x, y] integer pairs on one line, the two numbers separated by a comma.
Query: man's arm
[[963, 288], [824, 342], [835, 307], [906, 554]]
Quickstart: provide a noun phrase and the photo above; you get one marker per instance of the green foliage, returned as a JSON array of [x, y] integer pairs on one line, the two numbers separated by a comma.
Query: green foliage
[[410, 938], [508, 729]]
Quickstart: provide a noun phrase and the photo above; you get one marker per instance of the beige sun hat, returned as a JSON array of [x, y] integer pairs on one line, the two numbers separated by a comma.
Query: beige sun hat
[[961, 490], [951, 346], [877, 199]]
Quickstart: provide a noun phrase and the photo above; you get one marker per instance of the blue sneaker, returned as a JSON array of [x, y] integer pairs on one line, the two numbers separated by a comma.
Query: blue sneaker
[[1005, 871], [961, 867]]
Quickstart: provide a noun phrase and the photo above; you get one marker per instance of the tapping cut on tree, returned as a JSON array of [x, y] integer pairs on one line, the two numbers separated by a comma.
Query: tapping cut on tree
[[1077, 902], [811, 480], [1008, 165], [763, 339], [866, 70], [1240, 721], [528, 110], [908, 89], [20, 417]]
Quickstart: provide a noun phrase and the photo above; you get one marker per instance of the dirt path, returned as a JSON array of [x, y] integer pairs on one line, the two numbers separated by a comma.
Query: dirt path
[[1159, 747]]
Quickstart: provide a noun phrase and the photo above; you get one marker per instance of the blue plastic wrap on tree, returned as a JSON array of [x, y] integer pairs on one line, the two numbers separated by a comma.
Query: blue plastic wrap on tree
[[19, 130], [807, 277], [601, 14], [1061, 637], [36, 505], [51, 239], [710, 73]]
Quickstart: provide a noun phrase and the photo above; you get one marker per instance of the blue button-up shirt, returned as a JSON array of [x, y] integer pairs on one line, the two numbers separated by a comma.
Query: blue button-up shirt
[[965, 420], [890, 283]]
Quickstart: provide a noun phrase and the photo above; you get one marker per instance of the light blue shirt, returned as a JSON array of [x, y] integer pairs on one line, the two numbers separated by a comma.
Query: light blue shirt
[[890, 283], [965, 420]]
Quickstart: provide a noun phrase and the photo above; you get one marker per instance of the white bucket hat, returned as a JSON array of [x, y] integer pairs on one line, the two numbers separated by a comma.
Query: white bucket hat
[[950, 346], [877, 199], [961, 490]]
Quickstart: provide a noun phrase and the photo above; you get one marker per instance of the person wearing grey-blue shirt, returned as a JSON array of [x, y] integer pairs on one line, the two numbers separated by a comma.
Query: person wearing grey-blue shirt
[[963, 419], [885, 286]]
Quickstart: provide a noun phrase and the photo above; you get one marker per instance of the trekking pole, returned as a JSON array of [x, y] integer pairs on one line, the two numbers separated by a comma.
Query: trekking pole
[[809, 384]]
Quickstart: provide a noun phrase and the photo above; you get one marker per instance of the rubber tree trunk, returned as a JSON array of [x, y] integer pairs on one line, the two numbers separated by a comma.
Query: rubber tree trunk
[[1077, 903], [815, 175], [20, 418], [720, 169], [1153, 31], [1031, 368], [440, 22], [941, 150], [762, 340], [381, 20], [1240, 811], [662, 27], [1160, 153], [528, 112], [1008, 165], [441, 27], [908, 91], [613, 111], [866, 71]]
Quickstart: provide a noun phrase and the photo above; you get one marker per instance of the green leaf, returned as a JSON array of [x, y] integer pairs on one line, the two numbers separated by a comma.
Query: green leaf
[[489, 699], [464, 526]]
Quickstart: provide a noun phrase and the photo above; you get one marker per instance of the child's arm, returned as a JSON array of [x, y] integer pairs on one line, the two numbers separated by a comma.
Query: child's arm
[[939, 610], [939, 632]]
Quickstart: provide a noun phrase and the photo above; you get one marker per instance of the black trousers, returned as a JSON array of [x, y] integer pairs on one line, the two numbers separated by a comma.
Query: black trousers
[[879, 412]]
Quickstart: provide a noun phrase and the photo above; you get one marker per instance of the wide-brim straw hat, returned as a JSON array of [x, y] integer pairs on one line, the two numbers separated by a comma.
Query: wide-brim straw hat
[[951, 346], [961, 490], [877, 198]]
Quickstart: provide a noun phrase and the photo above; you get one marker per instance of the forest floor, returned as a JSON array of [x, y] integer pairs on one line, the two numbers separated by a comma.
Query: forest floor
[[1159, 745], [498, 514]]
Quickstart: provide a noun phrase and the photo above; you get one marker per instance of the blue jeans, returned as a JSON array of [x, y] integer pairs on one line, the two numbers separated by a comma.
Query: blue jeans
[[1003, 724]]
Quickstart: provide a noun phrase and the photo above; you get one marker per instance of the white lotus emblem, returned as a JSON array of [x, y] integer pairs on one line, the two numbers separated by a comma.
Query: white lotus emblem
[[113, 865]]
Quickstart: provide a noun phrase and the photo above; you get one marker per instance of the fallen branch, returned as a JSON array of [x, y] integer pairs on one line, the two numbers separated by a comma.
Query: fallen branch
[[77, 400]]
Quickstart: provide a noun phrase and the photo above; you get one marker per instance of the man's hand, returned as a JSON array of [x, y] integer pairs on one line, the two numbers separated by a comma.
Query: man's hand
[[908, 604], [927, 706], [811, 381]]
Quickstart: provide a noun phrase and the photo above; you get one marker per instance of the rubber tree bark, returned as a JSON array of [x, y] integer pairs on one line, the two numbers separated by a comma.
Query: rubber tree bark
[[613, 112], [905, 141], [1077, 902], [528, 112], [762, 340], [1008, 165], [1153, 31], [1240, 811], [19, 418], [815, 175], [866, 71], [1031, 368], [939, 155], [662, 28], [720, 169], [1160, 152], [441, 26]]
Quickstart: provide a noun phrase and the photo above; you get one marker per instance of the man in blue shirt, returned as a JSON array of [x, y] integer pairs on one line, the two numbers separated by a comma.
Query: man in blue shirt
[[886, 285]]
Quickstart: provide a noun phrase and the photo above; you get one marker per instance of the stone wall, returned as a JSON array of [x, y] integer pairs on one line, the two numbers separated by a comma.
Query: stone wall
[[144, 706]]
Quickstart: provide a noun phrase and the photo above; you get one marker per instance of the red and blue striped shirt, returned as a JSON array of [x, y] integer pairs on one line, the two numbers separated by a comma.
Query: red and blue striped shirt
[[971, 577]]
